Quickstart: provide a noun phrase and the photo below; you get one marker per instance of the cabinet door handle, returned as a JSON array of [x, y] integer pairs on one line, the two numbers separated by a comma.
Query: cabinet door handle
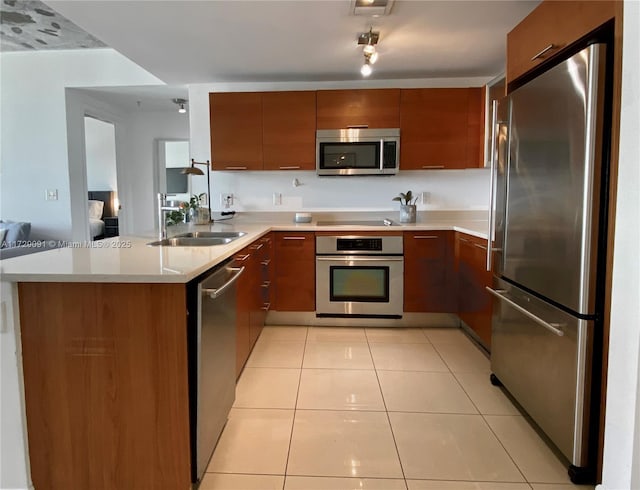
[[266, 262], [479, 246], [290, 167], [294, 237], [266, 307], [357, 126], [464, 240], [265, 284], [425, 237], [236, 168], [544, 51], [242, 258], [433, 167], [257, 247]]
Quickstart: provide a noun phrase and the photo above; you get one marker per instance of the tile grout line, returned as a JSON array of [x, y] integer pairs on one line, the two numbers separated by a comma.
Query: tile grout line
[[386, 411], [295, 408]]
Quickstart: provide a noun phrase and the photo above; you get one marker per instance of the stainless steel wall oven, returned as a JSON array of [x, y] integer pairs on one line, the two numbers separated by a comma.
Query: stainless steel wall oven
[[359, 276]]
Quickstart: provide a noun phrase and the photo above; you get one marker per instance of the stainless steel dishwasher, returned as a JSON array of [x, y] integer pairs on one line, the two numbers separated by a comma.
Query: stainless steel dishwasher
[[212, 365]]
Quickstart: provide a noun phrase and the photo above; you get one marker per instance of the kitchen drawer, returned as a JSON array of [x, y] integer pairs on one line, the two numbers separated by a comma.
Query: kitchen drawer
[[428, 244]]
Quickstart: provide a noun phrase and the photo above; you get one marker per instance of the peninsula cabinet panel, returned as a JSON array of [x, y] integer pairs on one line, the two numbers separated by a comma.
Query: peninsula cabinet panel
[[289, 130], [373, 108], [236, 131], [551, 27], [474, 302], [429, 275], [245, 304], [106, 388], [441, 128], [295, 271]]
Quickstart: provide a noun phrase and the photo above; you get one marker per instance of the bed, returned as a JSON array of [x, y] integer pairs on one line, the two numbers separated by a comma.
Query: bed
[[100, 206]]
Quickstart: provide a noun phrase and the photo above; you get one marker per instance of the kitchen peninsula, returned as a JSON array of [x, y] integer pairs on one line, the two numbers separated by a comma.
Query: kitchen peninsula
[[105, 354]]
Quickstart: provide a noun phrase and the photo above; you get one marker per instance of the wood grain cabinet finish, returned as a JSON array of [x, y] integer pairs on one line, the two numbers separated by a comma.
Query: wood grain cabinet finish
[[289, 130], [236, 131], [106, 385], [248, 284], [429, 273], [295, 271], [550, 28], [474, 302], [373, 108], [441, 128]]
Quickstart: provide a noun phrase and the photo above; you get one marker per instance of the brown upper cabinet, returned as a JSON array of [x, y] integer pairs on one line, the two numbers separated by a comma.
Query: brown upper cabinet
[[551, 27], [236, 131], [441, 128], [373, 108], [289, 130]]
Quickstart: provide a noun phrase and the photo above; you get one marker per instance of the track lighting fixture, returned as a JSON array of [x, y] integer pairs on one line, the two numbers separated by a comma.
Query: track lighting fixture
[[180, 103], [369, 41]]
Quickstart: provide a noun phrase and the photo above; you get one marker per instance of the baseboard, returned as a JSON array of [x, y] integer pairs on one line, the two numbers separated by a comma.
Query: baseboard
[[308, 318]]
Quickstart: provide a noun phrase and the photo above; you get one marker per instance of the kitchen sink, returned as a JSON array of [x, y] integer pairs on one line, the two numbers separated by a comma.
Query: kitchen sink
[[199, 239]]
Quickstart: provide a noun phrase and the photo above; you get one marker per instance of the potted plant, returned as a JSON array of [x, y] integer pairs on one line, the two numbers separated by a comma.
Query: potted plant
[[194, 212], [407, 207]]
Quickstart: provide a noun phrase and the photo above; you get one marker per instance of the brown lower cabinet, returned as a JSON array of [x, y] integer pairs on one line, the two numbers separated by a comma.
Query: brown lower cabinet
[[429, 272], [254, 295], [295, 279], [106, 385], [474, 302]]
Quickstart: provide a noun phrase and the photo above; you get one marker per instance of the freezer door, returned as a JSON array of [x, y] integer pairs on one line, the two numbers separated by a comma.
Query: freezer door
[[542, 356], [554, 181]]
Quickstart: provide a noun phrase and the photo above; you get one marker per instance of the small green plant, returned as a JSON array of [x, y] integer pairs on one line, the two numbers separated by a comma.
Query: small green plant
[[174, 217], [405, 199]]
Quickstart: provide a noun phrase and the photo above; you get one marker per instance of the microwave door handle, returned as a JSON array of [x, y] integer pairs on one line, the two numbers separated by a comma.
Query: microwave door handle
[[381, 155]]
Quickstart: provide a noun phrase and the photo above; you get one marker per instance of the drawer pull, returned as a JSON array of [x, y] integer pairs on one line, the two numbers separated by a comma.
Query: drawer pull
[[425, 237], [432, 167], [290, 167], [265, 284], [266, 307], [544, 51], [479, 246], [294, 237], [257, 247], [236, 168], [266, 262], [242, 258]]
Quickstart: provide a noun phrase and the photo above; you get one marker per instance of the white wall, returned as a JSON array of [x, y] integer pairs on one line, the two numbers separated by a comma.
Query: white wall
[[100, 150], [34, 152], [622, 427]]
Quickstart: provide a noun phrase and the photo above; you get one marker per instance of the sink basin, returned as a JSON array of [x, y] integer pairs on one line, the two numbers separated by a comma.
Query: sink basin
[[199, 239], [213, 234]]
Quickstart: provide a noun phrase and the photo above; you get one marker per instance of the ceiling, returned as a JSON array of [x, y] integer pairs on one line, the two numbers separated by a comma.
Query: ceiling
[[185, 41], [147, 98]]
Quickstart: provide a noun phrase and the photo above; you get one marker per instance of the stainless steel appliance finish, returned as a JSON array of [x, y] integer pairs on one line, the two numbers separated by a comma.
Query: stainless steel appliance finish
[[547, 171], [359, 276], [379, 222], [215, 358], [358, 151]]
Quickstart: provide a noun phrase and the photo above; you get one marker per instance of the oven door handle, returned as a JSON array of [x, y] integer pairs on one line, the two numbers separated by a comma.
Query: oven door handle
[[360, 258]]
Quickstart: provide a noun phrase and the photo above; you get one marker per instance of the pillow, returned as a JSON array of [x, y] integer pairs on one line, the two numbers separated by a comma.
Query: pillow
[[95, 209], [15, 232]]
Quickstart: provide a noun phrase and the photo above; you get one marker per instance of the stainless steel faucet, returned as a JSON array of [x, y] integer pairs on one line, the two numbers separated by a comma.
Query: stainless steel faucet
[[162, 209]]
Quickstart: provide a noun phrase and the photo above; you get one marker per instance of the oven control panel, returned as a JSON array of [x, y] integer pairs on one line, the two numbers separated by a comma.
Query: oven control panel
[[359, 245]]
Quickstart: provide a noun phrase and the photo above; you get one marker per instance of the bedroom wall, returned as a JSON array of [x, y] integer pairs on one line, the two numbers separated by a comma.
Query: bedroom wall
[[100, 149], [34, 152]]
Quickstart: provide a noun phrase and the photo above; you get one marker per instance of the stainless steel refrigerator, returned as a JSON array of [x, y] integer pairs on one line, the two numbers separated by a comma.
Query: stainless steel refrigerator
[[549, 205]]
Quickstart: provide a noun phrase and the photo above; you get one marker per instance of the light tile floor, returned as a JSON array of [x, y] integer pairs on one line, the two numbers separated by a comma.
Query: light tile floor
[[323, 408]]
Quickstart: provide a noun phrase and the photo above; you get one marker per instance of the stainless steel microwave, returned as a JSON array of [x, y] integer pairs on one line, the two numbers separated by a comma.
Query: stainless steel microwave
[[358, 151]]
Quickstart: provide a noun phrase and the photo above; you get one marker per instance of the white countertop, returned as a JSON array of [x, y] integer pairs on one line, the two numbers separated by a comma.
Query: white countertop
[[130, 259]]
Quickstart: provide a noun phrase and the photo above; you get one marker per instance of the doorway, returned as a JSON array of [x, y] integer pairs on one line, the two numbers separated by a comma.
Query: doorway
[[102, 178]]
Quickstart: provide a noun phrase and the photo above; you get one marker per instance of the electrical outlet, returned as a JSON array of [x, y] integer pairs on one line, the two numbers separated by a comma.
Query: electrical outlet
[[51, 194], [426, 198], [277, 199], [226, 200]]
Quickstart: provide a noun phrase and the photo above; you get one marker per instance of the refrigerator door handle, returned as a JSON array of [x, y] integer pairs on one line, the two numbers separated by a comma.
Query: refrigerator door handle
[[554, 328], [492, 160]]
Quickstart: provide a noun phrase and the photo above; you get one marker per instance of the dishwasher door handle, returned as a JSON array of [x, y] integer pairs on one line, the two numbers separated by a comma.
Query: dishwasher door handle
[[214, 293], [554, 328]]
